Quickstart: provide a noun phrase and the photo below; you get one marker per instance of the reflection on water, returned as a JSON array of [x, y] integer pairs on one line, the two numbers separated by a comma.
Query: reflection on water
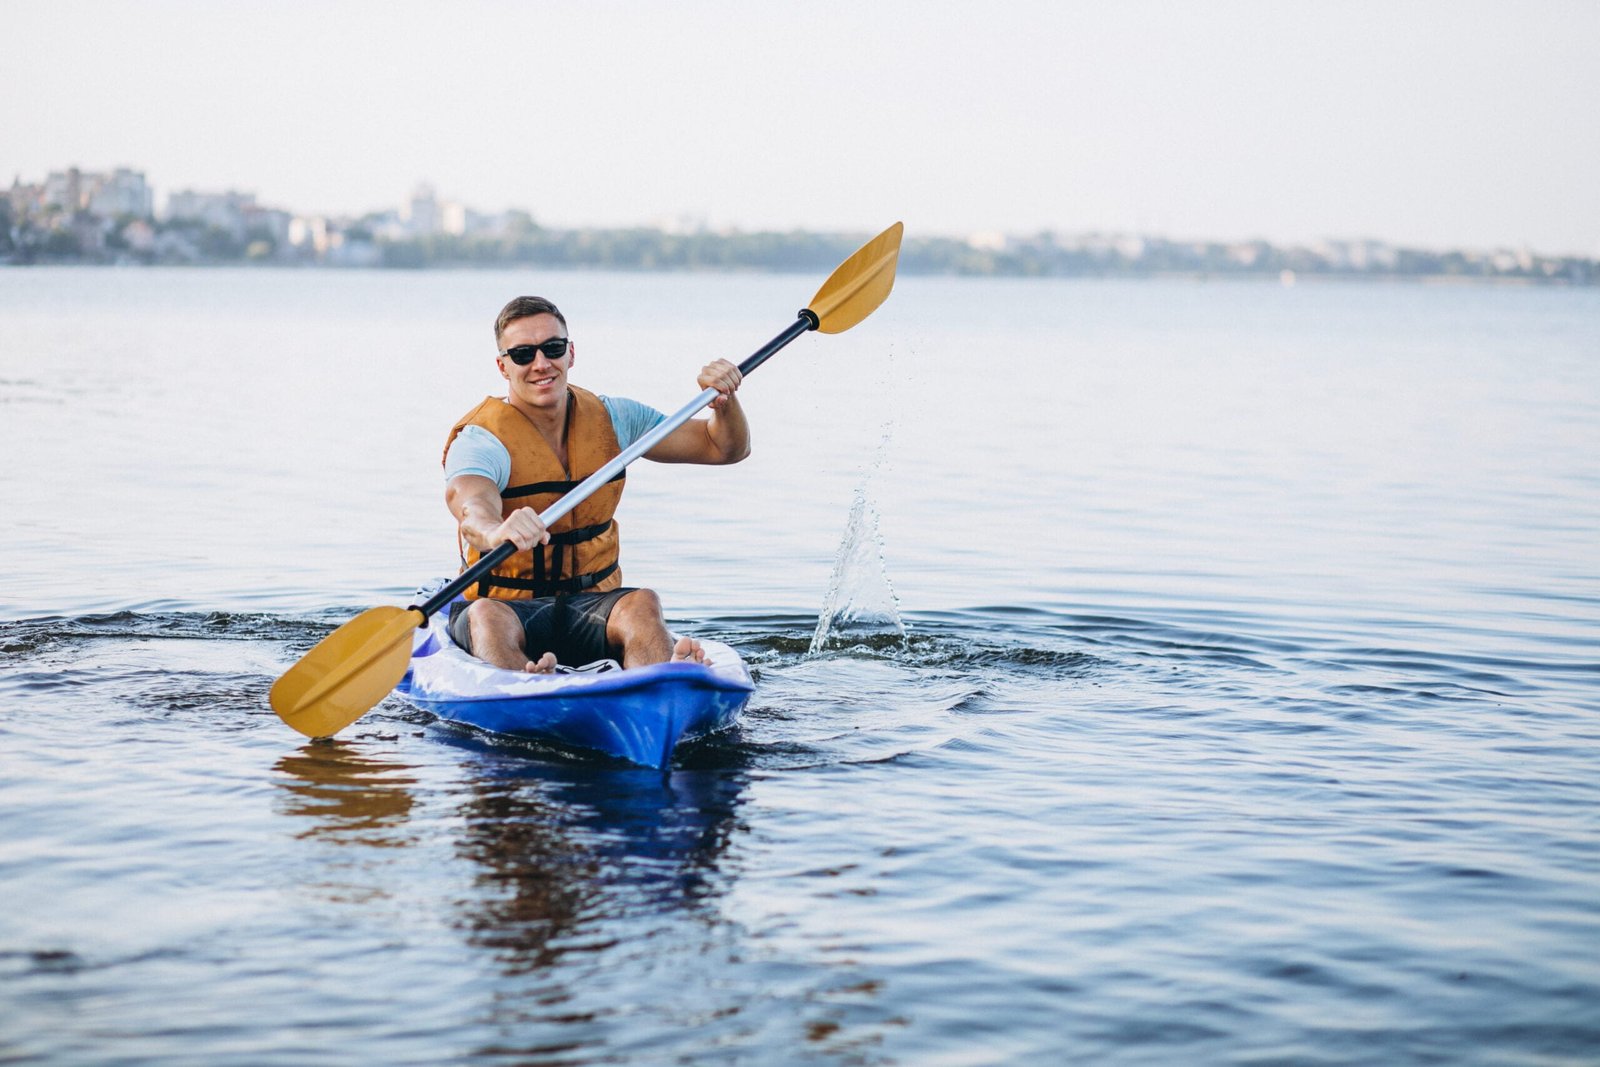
[[561, 849], [349, 796], [555, 851], [531, 881]]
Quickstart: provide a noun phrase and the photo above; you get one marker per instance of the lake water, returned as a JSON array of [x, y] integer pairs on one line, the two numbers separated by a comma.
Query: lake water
[[1247, 709]]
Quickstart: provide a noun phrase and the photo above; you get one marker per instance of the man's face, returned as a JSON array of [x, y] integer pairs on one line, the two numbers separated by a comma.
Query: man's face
[[543, 382]]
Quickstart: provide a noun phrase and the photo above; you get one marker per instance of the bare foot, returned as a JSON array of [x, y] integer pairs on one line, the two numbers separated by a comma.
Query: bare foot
[[689, 651], [546, 664]]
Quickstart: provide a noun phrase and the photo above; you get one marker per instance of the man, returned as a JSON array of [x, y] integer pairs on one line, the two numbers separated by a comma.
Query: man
[[560, 598]]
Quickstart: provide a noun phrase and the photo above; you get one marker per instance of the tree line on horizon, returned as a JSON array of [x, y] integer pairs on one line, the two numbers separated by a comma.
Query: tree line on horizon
[[1043, 256], [524, 243]]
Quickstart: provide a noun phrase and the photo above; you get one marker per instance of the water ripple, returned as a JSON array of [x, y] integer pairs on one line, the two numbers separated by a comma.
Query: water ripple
[[1197, 834]]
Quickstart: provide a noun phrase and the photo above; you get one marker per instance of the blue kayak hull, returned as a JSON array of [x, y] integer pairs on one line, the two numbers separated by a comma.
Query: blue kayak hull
[[639, 715]]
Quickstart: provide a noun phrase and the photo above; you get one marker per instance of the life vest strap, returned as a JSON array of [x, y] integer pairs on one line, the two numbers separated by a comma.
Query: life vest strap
[[559, 542], [555, 488], [542, 587], [581, 534]]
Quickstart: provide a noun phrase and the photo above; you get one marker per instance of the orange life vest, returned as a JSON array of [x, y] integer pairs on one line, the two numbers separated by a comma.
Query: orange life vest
[[582, 555]]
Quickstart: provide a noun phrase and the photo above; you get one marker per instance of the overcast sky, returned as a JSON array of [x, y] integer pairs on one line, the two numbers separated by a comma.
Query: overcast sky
[[1440, 124]]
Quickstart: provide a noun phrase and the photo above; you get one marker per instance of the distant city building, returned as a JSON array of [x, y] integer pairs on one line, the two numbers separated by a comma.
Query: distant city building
[[25, 200], [455, 218], [309, 232], [1356, 255], [458, 220], [425, 215], [224, 211], [122, 192], [63, 190], [268, 223], [422, 214]]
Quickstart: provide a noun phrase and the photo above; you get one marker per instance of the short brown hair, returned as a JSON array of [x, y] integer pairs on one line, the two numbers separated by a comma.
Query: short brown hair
[[524, 307]]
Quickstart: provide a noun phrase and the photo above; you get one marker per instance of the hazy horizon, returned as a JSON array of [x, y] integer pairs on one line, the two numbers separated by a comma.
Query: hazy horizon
[[1432, 125]]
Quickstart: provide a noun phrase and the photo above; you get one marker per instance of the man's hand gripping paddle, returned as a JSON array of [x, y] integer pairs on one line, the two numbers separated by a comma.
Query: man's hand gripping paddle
[[354, 667]]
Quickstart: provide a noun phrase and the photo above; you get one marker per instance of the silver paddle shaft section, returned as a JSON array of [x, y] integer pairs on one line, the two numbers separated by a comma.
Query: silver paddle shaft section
[[581, 492]]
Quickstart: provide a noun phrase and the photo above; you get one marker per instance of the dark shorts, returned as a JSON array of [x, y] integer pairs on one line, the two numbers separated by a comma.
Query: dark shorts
[[573, 627]]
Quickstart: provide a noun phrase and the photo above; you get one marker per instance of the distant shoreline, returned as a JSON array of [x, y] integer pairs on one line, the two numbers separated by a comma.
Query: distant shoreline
[[1197, 277], [85, 217], [657, 251]]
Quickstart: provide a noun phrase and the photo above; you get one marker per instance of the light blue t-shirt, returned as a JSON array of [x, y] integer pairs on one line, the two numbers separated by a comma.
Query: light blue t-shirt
[[477, 451]]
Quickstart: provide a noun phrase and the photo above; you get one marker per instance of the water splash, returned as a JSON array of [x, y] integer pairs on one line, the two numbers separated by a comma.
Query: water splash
[[861, 607]]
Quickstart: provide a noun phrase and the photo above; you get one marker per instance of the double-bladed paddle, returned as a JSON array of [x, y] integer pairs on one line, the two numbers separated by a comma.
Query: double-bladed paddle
[[354, 667]]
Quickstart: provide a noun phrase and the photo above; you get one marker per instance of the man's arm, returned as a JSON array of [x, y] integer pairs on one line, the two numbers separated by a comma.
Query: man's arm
[[475, 502], [723, 438]]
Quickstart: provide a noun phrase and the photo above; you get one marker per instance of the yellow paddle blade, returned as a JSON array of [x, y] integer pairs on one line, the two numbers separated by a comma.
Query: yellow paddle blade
[[860, 284], [348, 672]]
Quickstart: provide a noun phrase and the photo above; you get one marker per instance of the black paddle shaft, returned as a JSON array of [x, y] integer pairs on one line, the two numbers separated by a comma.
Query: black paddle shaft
[[467, 577], [807, 321]]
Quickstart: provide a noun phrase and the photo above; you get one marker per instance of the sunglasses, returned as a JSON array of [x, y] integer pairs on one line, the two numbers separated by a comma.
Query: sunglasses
[[553, 349]]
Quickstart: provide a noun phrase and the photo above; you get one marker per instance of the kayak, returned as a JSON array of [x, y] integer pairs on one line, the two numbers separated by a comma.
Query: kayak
[[639, 714]]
